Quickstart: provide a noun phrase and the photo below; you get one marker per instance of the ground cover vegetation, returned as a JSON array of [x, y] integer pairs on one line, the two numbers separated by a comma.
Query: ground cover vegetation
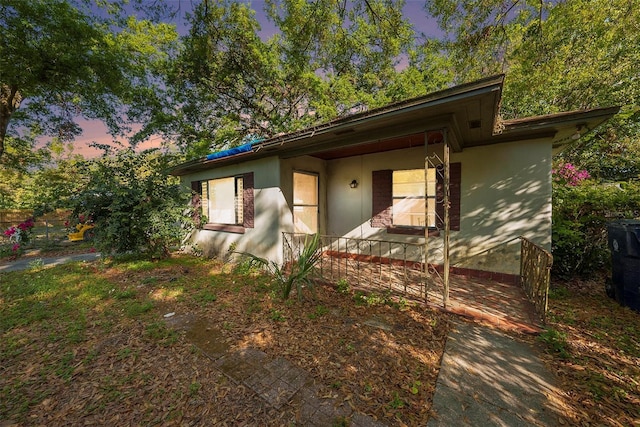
[[89, 343], [593, 346]]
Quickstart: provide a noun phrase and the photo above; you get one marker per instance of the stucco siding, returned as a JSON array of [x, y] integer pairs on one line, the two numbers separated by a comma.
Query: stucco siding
[[271, 213], [506, 193], [349, 209]]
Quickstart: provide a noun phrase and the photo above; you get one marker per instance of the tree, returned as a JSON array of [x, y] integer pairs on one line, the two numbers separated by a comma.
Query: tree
[[64, 59], [328, 59], [135, 205], [557, 56]]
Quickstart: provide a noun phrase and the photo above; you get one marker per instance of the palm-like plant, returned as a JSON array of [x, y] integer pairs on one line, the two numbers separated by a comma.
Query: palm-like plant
[[298, 272]]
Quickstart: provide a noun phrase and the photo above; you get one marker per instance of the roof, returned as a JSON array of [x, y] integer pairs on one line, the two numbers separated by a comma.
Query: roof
[[469, 112]]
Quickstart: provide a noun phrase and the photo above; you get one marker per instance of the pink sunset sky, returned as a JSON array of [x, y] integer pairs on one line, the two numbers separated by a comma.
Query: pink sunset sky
[[96, 131]]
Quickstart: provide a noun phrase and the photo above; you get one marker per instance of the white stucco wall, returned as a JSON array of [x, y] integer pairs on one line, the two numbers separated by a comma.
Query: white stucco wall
[[505, 193], [270, 207]]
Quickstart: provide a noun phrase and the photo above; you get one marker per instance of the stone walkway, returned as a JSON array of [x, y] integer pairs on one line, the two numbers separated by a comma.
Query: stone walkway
[[276, 381], [28, 262], [486, 378]]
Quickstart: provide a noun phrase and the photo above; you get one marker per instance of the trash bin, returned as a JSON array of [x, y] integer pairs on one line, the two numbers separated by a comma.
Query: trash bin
[[624, 243]]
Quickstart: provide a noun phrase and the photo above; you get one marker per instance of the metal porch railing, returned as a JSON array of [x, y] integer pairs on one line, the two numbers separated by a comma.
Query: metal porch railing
[[378, 265], [399, 267], [535, 275]]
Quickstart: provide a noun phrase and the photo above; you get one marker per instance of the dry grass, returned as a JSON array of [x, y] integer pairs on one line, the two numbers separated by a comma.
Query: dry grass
[[87, 343], [594, 348]]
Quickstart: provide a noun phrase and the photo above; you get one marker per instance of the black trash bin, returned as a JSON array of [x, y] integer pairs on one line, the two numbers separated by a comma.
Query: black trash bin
[[624, 243]]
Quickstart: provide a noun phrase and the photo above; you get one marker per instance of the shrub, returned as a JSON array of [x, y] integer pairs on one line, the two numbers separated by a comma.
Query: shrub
[[581, 213], [298, 272], [135, 206]]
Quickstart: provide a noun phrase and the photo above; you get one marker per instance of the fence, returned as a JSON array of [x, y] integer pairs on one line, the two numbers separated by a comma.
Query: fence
[[398, 267], [48, 226], [535, 275]]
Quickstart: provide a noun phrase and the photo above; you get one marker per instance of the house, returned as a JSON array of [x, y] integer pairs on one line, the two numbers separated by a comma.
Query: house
[[442, 171]]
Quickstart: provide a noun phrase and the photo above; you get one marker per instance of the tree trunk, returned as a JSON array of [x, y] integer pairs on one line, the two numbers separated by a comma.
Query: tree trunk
[[9, 102]]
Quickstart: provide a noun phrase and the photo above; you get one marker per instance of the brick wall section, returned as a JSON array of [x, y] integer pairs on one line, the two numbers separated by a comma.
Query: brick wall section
[[247, 200], [455, 176], [382, 198]]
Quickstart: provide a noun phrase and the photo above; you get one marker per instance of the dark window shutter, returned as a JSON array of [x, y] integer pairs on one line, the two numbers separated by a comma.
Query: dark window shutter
[[455, 176], [382, 198], [247, 200], [196, 201]]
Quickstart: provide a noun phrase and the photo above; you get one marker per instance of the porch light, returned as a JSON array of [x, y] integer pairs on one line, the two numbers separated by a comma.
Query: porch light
[[353, 184], [580, 129]]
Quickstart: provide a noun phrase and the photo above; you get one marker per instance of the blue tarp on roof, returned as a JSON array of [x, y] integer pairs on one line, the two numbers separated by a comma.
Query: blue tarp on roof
[[231, 151]]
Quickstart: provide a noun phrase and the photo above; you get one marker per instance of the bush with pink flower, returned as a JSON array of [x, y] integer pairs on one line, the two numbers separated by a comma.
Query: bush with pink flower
[[568, 174], [18, 236]]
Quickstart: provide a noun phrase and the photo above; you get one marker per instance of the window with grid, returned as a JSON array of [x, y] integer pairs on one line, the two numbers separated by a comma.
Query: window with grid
[[409, 198]]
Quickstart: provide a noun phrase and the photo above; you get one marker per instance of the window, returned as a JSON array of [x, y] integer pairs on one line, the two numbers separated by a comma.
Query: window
[[222, 200], [408, 193], [226, 203], [305, 202], [398, 200]]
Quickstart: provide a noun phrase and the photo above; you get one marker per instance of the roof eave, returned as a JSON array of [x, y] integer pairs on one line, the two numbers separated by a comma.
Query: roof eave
[[280, 143]]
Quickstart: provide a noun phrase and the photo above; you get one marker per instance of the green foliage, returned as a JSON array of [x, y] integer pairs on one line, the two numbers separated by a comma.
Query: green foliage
[[580, 217], [326, 60], [161, 333], [319, 311], [135, 206], [343, 286], [556, 342], [296, 273], [277, 316], [556, 56], [64, 59], [396, 402]]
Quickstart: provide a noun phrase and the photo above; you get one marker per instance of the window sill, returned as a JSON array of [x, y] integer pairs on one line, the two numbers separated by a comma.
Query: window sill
[[239, 229], [412, 231]]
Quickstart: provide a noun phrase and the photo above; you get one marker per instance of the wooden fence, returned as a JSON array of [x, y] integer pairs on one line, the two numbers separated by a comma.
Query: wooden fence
[[47, 226], [10, 217]]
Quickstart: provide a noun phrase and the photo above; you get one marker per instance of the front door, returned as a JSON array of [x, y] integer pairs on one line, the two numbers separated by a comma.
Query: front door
[[305, 202]]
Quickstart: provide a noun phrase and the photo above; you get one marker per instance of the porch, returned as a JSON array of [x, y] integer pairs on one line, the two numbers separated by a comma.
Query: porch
[[396, 270]]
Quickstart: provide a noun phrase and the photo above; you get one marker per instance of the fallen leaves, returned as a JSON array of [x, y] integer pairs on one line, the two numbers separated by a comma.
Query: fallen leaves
[[601, 376], [127, 369]]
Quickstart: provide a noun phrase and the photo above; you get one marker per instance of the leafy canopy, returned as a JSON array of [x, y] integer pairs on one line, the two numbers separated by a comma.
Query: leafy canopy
[[326, 60], [61, 60]]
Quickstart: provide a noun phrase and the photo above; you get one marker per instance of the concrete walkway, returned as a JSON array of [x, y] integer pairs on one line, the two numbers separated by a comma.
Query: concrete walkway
[[488, 378], [26, 263]]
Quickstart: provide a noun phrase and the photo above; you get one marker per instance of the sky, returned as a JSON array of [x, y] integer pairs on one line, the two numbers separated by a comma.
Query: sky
[[96, 131]]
